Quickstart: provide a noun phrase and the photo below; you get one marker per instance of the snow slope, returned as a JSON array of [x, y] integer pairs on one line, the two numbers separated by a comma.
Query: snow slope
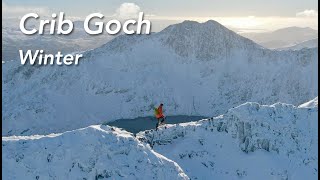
[[250, 141], [193, 68], [310, 104], [95, 152]]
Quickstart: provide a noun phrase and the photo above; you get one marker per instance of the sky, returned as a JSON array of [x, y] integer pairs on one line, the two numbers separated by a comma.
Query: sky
[[244, 15]]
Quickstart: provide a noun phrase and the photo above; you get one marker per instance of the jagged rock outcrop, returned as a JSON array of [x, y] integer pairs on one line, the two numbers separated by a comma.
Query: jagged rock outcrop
[[278, 141]]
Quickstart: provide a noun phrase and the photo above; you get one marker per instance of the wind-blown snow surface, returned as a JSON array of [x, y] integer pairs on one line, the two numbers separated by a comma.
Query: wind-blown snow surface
[[96, 152], [193, 68], [251, 141]]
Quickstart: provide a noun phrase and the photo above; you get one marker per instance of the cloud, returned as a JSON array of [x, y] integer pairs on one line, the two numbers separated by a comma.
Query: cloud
[[127, 10], [10, 11], [307, 13]]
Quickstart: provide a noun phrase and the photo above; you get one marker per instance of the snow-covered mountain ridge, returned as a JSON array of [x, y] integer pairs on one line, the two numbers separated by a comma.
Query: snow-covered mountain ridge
[[95, 152], [250, 141], [310, 104], [193, 68]]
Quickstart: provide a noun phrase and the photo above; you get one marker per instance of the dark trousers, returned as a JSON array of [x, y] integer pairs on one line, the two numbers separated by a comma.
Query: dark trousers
[[159, 122]]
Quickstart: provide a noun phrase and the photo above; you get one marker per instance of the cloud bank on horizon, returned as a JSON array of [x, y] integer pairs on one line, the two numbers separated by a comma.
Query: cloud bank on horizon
[[308, 13], [250, 23]]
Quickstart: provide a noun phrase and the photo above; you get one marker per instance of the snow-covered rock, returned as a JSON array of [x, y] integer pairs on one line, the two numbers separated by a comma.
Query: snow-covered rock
[[193, 68], [96, 152], [310, 104], [250, 141]]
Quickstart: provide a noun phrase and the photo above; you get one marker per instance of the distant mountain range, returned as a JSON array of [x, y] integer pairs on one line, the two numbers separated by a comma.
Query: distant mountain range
[[14, 40], [305, 44], [283, 38]]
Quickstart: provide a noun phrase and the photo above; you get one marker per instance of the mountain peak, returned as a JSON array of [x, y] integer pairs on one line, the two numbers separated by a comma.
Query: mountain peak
[[197, 24], [202, 41], [294, 29], [189, 22], [213, 22], [205, 41]]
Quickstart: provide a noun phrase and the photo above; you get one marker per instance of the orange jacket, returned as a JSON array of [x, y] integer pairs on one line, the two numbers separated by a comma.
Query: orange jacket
[[160, 114]]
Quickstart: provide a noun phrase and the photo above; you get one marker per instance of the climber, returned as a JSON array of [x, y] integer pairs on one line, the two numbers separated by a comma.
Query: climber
[[159, 115]]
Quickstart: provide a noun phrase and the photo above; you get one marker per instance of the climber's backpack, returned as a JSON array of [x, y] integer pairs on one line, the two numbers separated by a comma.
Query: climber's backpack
[[156, 111]]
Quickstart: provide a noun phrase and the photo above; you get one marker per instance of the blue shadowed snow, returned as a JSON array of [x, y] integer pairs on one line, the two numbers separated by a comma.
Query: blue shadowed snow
[[146, 123]]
